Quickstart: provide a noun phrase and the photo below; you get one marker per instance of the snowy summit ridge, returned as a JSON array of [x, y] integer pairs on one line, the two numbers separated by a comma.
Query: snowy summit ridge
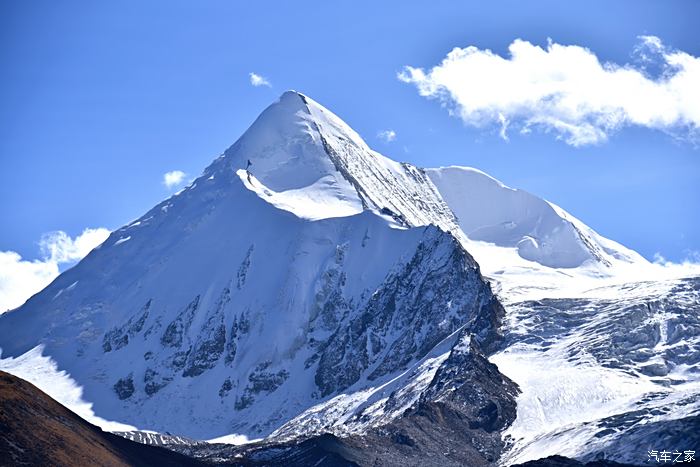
[[302, 153], [541, 231]]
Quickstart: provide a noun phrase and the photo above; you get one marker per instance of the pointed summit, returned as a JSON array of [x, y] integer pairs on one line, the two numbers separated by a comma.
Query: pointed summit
[[298, 147], [283, 146]]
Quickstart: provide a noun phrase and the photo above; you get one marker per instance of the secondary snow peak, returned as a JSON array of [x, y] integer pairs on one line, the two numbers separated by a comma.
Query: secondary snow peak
[[540, 231]]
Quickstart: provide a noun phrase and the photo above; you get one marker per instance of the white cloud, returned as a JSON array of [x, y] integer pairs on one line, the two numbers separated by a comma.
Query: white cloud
[[566, 90], [387, 135], [58, 247], [173, 178], [259, 80], [691, 261], [503, 132], [20, 279]]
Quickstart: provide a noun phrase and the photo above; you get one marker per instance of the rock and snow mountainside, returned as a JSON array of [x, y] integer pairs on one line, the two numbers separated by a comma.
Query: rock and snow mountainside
[[624, 371], [311, 292], [604, 346], [315, 286]]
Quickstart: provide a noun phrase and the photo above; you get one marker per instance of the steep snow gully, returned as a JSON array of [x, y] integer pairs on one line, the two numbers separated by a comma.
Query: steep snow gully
[[308, 297]]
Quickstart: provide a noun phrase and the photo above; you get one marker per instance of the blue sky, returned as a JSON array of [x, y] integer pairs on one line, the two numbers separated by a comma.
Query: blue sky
[[101, 99]]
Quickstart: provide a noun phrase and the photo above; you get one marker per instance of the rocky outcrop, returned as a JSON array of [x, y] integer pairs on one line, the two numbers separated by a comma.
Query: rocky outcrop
[[211, 339], [117, 338], [175, 332], [124, 387], [437, 292], [456, 421]]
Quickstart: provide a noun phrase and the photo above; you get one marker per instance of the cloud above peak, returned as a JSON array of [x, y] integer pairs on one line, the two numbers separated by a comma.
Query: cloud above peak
[[387, 136], [259, 80], [173, 178], [566, 90]]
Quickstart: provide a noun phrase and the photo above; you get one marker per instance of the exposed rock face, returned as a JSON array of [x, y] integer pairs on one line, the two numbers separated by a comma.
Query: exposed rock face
[[456, 420], [175, 332], [410, 313], [119, 337], [124, 387], [211, 340], [154, 382]]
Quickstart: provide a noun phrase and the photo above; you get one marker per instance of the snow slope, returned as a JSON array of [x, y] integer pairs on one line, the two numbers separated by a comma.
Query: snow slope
[[540, 231]]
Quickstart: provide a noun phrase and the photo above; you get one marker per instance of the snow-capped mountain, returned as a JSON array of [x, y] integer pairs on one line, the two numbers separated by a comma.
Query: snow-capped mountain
[[306, 287], [239, 304]]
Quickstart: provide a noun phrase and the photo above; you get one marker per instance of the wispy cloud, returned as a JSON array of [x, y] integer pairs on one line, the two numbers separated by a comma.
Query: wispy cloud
[[259, 80], [173, 178], [387, 136], [20, 279], [691, 260], [567, 90]]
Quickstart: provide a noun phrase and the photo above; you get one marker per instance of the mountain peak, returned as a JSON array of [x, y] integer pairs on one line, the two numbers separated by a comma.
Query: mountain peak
[[298, 149], [291, 93], [284, 147]]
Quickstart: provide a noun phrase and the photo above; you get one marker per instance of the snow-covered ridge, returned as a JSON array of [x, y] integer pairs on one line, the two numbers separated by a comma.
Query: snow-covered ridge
[[489, 211]]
